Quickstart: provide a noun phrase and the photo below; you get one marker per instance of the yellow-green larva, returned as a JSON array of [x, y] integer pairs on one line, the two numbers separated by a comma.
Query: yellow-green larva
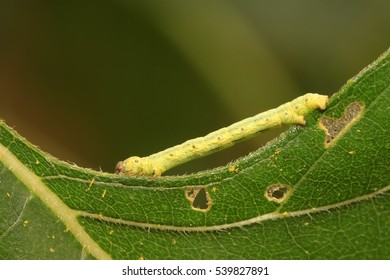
[[289, 113]]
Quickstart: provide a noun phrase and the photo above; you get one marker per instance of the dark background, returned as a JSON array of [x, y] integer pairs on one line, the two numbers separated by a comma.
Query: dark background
[[93, 82]]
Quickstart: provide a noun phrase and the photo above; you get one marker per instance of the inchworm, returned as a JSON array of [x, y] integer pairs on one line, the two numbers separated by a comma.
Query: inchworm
[[289, 113]]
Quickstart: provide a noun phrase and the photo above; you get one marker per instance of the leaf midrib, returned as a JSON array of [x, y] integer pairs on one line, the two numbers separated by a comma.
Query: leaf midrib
[[68, 216]]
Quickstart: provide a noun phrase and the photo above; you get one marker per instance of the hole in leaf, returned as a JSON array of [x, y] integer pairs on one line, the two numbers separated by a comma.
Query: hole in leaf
[[199, 198], [277, 192], [335, 127]]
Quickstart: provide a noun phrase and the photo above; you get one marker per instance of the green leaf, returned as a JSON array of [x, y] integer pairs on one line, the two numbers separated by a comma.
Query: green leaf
[[319, 191]]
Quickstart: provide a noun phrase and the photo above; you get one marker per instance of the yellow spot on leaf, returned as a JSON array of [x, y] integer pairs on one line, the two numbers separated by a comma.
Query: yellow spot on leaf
[[90, 185], [25, 223], [233, 169], [277, 151]]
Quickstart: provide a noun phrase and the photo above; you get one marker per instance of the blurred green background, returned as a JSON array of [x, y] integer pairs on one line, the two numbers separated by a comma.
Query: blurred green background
[[93, 82]]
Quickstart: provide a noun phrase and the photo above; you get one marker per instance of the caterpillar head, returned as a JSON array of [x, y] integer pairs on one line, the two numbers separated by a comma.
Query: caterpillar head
[[136, 166], [314, 101], [304, 105]]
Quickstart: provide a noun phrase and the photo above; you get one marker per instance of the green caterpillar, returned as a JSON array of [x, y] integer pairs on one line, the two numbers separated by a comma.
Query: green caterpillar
[[292, 112]]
